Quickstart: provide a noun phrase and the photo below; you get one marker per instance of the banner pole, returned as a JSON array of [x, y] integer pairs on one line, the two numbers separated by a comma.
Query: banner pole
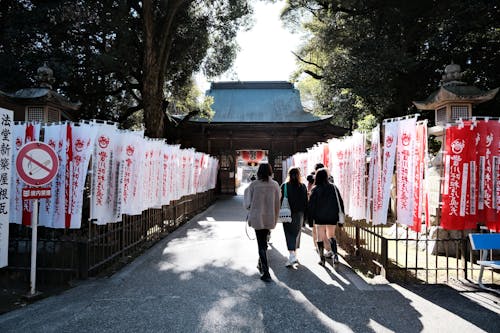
[[34, 231]]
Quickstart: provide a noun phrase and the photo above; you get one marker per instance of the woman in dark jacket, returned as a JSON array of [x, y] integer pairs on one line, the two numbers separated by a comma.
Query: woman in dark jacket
[[324, 209], [297, 198]]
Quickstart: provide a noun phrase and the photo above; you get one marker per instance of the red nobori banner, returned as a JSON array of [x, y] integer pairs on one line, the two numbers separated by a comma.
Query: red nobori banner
[[471, 190], [459, 153], [488, 173]]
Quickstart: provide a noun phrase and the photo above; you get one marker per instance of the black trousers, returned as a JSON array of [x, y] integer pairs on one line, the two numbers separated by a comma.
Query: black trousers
[[292, 231], [261, 236]]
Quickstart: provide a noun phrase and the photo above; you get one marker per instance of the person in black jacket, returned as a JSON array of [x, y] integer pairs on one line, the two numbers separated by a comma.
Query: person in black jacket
[[324, 210], [297, 198]]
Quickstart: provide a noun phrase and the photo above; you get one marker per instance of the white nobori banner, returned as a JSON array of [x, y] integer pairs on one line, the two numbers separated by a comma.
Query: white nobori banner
[[389, 155]]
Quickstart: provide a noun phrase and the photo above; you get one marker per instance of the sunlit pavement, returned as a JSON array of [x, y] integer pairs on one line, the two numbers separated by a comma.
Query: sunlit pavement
[[202, 278]]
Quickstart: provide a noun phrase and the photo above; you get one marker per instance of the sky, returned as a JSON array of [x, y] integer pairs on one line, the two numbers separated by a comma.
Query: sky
[[265, 50]]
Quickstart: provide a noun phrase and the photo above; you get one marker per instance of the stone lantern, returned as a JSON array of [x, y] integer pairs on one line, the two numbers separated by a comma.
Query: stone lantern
[[42, 103], [454, 99]]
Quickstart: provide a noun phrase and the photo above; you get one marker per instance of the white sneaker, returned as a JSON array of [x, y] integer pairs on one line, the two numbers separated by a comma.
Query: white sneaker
[[336, 259], [292, 259]]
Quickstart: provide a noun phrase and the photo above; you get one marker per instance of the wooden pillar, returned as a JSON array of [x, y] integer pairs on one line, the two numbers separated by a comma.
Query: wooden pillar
[[295, 138]]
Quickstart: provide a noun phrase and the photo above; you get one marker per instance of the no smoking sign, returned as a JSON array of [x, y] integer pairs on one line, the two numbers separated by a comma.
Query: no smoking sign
[[37, 163]]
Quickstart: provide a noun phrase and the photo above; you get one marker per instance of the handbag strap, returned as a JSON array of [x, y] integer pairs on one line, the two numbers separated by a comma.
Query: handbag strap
[[337, 196], [284, 191]]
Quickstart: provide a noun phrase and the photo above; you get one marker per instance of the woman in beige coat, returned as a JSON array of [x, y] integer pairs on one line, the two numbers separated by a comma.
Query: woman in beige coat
[[262, 199]]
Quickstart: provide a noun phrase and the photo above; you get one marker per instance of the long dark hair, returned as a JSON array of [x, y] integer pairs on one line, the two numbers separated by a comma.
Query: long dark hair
[[294, 176], [321, 176], [264, 172]]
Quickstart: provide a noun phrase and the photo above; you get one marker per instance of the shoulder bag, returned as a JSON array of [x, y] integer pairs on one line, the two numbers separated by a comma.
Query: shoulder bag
[[341, 213], [285, 214]]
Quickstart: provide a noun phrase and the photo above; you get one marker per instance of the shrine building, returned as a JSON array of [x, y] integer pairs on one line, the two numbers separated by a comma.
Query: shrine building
[[253, 121]]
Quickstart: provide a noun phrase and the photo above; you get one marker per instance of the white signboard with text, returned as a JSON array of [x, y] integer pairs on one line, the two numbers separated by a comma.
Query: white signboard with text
[[6, 122]]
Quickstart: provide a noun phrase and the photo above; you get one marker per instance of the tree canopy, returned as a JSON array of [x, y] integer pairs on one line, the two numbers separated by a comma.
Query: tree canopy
[[376, 57], [121, 56]]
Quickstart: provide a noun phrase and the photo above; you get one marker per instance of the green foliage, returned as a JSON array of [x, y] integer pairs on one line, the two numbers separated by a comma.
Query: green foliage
[[376, 57], [97, 50], [434, 145], [367, 123]]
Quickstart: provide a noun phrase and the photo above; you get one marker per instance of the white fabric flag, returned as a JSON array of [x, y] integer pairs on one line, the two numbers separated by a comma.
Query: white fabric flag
[[136, 204], [103, 199], [358, 171], [147, 189], [389, 154], [6, 151], [52, 210], [172, 173], [129, 171], [16, 202], [157, 174], [373, 174], [184, 172], [405, 170], [165, 175], [196, 171], [215, 169], [83, 137], [341, 171]]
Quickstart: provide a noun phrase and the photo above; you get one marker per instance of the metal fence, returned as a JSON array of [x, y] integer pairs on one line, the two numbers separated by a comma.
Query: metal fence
[[402, 255], [63, 255]]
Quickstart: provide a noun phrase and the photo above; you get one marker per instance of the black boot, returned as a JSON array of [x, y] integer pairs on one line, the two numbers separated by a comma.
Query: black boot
[[321, 254], [333, 244], [259, 267], [263, 267]]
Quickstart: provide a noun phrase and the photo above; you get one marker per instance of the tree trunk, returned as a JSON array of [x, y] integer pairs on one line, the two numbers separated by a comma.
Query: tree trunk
[[157, 43], [152, 98], [153, 75]]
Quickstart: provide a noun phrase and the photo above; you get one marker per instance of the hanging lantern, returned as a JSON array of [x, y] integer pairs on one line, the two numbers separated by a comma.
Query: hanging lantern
[[252, 157]]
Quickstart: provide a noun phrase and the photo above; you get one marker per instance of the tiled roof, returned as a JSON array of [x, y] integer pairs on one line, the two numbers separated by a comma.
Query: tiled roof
[[257, 102]]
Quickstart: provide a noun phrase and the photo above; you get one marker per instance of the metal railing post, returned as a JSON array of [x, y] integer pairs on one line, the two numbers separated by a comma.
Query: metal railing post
[[357, 232], [83, 259], [384, 252]]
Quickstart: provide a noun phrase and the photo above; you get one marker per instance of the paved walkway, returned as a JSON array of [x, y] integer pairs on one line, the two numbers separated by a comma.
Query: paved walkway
[[202, 278]]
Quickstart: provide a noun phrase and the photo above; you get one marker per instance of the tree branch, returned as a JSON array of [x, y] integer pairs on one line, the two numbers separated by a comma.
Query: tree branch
[[307, 62], [190, 115], [131, 110], [314, 75]]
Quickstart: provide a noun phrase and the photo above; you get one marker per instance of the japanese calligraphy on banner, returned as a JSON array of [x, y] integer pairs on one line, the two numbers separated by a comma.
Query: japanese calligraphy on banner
[[83, 136], [459, 153], [488, 175], [6, 146], [405, 170], [420, 159], [357, 202], [52, 210], [301, 161], [129, 160], [388, 157], [374, 183], [340, 162], [104, 208]]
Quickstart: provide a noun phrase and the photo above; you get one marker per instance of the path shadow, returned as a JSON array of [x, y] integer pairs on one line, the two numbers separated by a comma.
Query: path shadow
[[342, 304], [462, 304]]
